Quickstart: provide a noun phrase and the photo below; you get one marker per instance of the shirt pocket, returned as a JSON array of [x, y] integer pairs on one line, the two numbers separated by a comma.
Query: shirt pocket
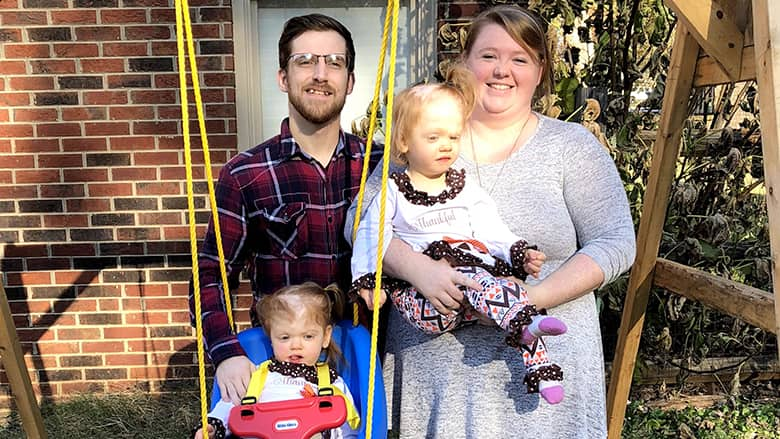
[[287, 229]]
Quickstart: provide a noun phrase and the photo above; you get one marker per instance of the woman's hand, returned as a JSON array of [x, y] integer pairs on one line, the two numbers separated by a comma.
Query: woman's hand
[[233, 377], [368, 297]]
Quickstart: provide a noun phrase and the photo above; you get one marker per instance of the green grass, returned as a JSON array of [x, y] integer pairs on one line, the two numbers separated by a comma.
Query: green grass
[[142, 416]]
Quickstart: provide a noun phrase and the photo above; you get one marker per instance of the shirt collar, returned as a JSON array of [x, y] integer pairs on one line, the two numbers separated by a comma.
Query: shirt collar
[[289, 148]]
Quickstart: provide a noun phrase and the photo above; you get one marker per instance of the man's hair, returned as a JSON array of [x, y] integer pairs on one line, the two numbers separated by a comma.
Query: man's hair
[[296, 26]]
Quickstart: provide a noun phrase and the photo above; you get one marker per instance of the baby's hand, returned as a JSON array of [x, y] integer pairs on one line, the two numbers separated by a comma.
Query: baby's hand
[[199, 433], [368, 296], [532, 264]]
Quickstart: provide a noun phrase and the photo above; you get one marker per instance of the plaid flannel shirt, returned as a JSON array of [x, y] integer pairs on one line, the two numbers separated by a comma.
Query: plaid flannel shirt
[[281, 216]]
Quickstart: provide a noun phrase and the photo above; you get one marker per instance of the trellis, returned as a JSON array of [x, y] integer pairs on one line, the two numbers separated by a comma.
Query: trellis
[[716, 42]]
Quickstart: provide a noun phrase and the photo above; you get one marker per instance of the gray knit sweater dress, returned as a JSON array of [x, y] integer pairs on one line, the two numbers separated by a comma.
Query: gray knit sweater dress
[[560, 191]]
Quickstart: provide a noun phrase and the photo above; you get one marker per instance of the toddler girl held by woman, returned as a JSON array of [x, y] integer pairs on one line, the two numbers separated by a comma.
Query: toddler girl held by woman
[[436, 210], [299, 321]]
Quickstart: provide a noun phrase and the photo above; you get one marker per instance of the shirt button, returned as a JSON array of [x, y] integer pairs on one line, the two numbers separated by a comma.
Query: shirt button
[[330, 219]]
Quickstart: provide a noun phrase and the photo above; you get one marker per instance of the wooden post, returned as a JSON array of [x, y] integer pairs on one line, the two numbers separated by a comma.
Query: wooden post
[[766, 36], [674, 111], [13, 359]]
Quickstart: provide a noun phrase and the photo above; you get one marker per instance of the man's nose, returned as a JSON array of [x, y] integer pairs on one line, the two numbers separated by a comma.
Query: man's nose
[[320, 69]]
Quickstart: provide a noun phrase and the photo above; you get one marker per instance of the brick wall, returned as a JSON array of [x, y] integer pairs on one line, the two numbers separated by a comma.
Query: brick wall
[[95, 253]]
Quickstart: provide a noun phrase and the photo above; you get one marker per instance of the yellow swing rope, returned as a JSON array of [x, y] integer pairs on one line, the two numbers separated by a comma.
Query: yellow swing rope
[[392, 9], [184, 24]]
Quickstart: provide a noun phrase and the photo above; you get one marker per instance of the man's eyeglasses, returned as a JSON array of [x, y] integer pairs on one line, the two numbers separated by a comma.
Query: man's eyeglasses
[[334, 61]]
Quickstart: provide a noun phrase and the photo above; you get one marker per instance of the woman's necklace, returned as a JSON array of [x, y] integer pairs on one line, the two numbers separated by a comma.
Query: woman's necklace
[[506, 159]]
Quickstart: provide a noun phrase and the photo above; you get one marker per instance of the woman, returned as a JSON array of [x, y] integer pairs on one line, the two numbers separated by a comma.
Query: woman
[[555, 185]]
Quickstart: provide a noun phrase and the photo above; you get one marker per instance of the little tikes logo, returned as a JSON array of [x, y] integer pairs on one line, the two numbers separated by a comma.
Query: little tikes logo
[[286, 424]]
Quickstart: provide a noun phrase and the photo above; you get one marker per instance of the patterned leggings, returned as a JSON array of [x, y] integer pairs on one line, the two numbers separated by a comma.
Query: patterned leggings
[[500, 300]]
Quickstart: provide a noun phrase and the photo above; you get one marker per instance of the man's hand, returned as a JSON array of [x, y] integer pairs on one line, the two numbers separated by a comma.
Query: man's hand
[[368, 296], [233, 377], [532, 264], [438, 283]]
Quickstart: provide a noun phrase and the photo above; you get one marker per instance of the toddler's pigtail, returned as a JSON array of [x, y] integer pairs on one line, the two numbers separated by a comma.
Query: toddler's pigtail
[[337, 303], [463, 81]]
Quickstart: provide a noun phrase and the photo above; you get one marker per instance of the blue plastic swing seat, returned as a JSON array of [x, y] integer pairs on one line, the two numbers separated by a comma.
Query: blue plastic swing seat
[[355, 345]]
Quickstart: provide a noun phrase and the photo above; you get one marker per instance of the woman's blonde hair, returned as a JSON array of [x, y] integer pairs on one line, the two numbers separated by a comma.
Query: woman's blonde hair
[[459, 83], [323, 305], [526, 29]]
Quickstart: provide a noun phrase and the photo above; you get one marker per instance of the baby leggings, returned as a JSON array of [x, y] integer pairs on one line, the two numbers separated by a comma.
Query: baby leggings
[[506, 303]]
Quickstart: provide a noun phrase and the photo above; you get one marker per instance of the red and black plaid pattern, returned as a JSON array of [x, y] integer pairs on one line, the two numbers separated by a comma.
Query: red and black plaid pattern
[[281, 215]]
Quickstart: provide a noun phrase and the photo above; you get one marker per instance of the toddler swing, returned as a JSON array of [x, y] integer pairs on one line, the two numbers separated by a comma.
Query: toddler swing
[[298, 418]]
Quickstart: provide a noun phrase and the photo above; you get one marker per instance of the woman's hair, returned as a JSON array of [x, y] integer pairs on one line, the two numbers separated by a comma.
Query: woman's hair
[[526, 29], [323, 305], [459, 83]]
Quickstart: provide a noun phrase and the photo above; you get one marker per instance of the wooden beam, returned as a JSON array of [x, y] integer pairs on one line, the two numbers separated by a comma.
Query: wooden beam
[[12, 357], [674, 111], [751, 305], [716, 32], [708, 72], [766, 31]]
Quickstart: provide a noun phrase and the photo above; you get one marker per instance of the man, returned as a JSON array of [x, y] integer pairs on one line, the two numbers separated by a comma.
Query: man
[[282, 204]]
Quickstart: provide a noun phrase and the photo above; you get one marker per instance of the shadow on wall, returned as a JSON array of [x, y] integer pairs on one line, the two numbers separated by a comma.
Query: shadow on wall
[[101, 323]]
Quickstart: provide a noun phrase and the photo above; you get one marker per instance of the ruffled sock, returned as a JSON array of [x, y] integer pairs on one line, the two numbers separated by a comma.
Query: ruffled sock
[[541, 326]]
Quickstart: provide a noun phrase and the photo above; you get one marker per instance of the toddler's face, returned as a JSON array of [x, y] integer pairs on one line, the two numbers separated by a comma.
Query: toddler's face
[[299, 339], [434, 142]]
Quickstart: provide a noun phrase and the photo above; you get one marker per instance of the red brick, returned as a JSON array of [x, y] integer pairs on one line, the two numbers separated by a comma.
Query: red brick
[[156, 158], [23, 17], [158, 188], [110, 189], [108, 305], [131, 143], [169, 112], [17, 161], [36, 145], [105, 97], [14, 99], [76, 306], [26, 250], [89, 387], [162, 48], [151, 345], [41, 362], [58, 129], [60, 161], [46, 320], [124, 332], [145, 290], [59, 347], [123, 16], [88, 205], [78, 334], [152, 219], [155, 97], [17, 191], [80, 16], [73, 250], [155, 127], [164, 15], [148, 32], [5, 146], [41, 176], [84, 113], [106, 128], [98, 33], [26, 51], [62, 190], [144, 112], [226, 110], [102, 346], [12, 68], [125, 49], [179, 173], [63, 221], [102, 65], [133, 173], [138, 234], [16, 130], [76, 50], [34, 335], [6, 177], [219, 80], [126, 359], [95, 174], [28, 278], [4, 114], [76, 278], [149, 318], [35, 115], [53, 66], [84, 144], [32, 83], [10, 35], [181, 232]]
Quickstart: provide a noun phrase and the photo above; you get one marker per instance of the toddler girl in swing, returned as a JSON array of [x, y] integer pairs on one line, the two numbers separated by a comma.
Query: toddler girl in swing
[[436, 210], [299, 321]]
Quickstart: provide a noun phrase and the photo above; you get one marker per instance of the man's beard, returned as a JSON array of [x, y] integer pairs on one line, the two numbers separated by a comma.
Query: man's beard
[[317, 113]]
